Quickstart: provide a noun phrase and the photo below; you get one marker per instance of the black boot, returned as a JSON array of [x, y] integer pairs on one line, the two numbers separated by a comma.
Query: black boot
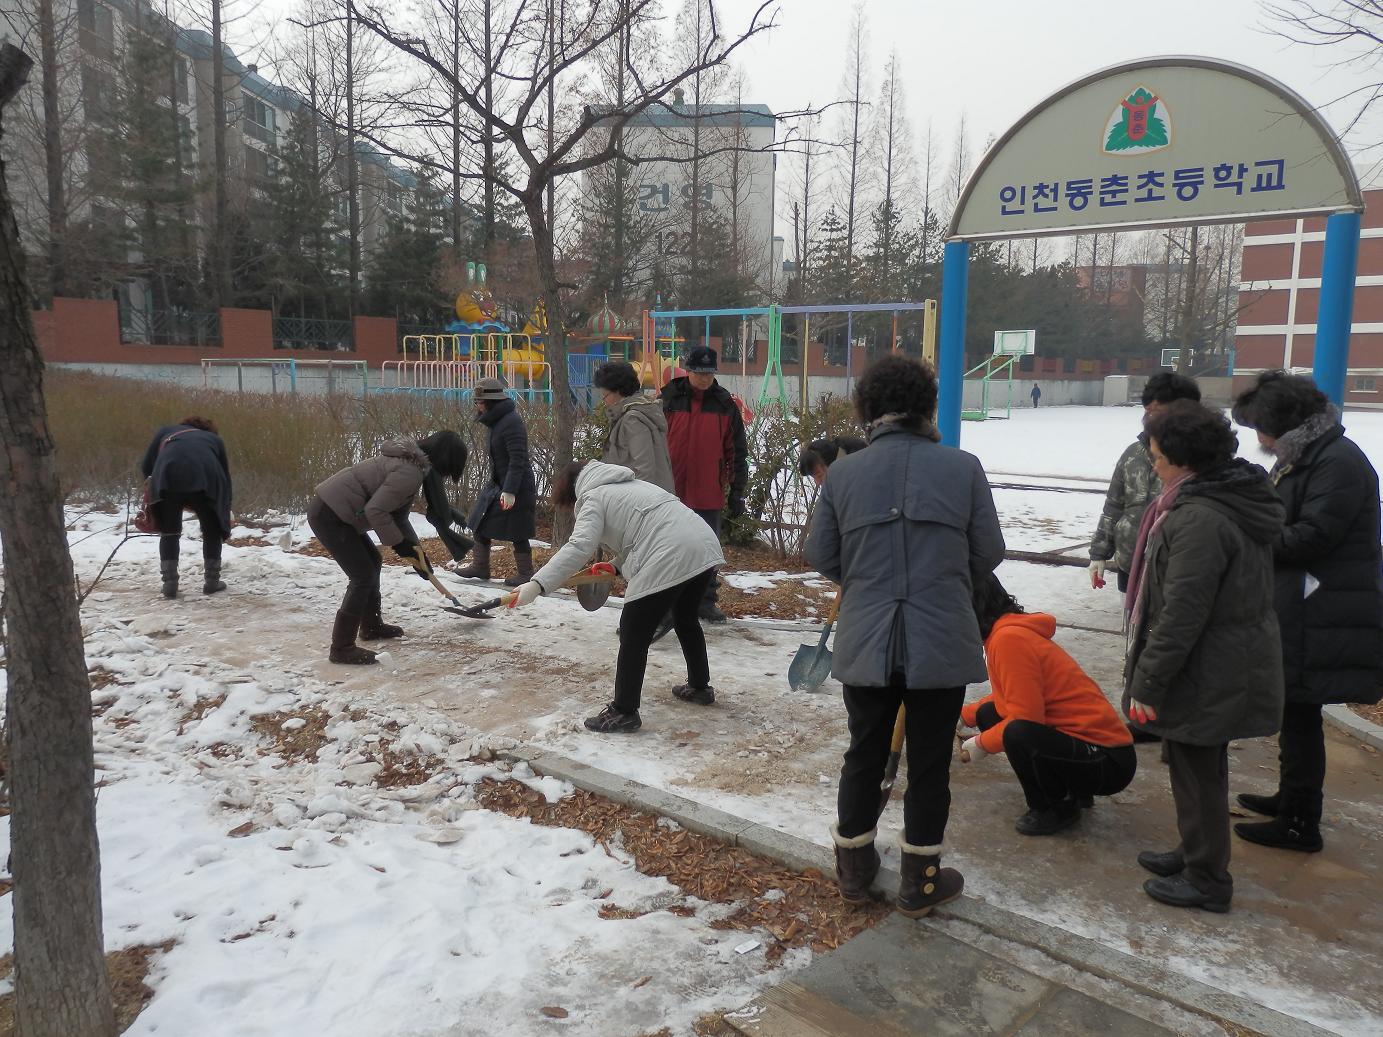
[[925, 882], [523, 560], [1283, 833], [696, 696], [857, 864], [710, 613], [1265, 805], [372, 625], [1166, 863], [479, 569], [169, 568], [1050, 820], [211, 576], [343, 646]]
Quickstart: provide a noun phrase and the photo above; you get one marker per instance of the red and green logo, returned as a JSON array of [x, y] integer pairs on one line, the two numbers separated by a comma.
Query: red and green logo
[[1139, 123]]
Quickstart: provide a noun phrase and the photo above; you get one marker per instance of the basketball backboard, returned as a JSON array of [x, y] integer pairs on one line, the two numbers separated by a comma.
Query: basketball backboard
[[1015, 343]]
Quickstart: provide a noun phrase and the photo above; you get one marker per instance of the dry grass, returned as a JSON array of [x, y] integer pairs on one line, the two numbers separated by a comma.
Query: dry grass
[[300, 744], [128, 970], [809, 914], [199, 710], [1373, 714]]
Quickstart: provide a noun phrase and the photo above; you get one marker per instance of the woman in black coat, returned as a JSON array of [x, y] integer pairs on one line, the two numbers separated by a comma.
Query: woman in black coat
[[1327, 591], [187, 469], [506, 509]]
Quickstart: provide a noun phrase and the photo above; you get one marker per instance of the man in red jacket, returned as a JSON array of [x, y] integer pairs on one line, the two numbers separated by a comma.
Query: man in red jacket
[[709, 451]]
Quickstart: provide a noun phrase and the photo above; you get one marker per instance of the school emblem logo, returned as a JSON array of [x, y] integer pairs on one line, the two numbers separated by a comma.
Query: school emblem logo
[[1138, 124]]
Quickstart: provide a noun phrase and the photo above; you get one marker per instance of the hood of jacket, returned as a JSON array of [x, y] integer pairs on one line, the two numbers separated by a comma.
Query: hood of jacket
[[641, 408], [1039, 623], [408, 450], [493, 414], [1240, 490], [598, 473]]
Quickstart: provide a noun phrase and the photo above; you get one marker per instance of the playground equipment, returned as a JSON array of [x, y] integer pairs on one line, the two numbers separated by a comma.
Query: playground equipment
[[290, 375], [928, 339], [1003, 365]]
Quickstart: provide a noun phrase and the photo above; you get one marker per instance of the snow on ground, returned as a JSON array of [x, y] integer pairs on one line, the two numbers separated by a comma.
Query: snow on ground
[[354, 910]]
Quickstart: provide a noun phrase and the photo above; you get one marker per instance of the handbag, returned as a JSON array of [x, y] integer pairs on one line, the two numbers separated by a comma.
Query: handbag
[[144, 520]]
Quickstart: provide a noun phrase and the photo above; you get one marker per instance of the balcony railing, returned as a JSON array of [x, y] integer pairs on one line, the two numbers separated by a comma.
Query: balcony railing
[[170, 328], [306, 333]]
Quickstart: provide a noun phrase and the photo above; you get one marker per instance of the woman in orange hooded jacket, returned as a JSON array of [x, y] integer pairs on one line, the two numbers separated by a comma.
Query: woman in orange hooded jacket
[[1064, 740]]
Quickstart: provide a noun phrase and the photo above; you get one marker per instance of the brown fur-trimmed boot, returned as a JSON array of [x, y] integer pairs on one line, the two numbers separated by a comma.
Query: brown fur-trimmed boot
[[523, 561], [925, 882], [857, 863], [479, 569]]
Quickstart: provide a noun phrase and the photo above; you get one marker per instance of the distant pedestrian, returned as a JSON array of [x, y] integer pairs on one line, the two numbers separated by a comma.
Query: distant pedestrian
[[507, 507], [667, 554], [904, 527], [187, 470], [1132, 485], [376, 494], [1036, 393], [709, 450], [1326, 591], [1205, 660], [638, 429], [818, 455], [1063, 739]]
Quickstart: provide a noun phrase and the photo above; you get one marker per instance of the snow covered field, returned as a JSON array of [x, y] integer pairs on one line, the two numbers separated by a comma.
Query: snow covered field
[[306, 899]]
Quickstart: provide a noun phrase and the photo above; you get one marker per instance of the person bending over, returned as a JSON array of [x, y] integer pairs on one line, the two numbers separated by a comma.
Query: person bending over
[[1064, 741]]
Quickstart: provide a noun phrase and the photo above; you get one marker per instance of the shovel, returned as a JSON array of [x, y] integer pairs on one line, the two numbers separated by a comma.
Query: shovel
[[895, 753], [482, 610], [812, 664], [473, 612]]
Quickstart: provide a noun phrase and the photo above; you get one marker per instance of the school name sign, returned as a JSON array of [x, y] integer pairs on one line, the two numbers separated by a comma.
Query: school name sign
[[1158, 142]]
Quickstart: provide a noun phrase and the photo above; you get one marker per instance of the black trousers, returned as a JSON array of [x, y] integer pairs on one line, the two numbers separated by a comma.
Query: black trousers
[[930, 738], [1052, 765], [1301, 760], [521, 547], [168, 512], [353, 551], [1200, 789], [713, 520], [638, 622]]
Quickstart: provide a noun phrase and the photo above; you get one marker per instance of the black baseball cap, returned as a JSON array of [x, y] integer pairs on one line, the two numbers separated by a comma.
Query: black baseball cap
[[702, 360]]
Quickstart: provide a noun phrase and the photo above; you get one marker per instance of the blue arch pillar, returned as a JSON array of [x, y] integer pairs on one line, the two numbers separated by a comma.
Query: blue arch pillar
[[1335, 317], [955, 285]]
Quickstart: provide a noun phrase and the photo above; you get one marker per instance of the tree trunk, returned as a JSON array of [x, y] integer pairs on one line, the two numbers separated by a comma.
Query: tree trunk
[[61, 986], [1189, 307], [490, 137], [52, 148], [456, 131], [220, 231], [352, 168], [545, 252]]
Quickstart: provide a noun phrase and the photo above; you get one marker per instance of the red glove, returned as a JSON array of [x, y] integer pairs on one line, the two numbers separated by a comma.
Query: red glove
[[603, 569]]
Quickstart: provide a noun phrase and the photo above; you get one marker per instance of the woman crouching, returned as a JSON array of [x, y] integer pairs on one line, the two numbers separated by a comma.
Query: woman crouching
[[1064, 741], [663, 549]]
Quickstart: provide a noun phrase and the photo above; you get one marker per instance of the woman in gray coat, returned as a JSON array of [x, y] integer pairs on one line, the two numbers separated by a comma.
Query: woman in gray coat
[[638, 430], [376, 494], [904, 527], [1204, 664], [666, 552]]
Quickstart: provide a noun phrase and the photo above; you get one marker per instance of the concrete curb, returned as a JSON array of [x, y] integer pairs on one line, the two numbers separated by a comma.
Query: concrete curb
[[1077, 951], [1344, 719]]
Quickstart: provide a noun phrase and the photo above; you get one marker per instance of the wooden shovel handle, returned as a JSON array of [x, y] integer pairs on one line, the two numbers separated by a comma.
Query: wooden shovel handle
[[899, 728], [835, 606]]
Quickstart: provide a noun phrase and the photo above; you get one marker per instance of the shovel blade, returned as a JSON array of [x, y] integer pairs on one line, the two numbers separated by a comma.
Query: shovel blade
[[810, 667], [481, 611]]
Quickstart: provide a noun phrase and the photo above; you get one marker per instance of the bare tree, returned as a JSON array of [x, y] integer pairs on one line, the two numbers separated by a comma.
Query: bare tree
[[959, 171], [854, 86], [1355, 27], [893, 159], [539, 57], [61, 985]]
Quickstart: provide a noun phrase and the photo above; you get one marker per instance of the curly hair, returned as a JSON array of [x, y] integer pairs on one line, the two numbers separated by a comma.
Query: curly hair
[[447, 452], [205, 424], [617, 376], [1192, 435], [991, 600], [1278, 402], [1167, 386], [896, 384]]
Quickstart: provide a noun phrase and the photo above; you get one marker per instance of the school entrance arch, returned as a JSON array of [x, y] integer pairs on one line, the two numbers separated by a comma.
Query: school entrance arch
[[1159, 142]]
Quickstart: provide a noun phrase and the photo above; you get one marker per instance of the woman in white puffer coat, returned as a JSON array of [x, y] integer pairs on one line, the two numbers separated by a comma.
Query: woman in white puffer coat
[[662, 548]]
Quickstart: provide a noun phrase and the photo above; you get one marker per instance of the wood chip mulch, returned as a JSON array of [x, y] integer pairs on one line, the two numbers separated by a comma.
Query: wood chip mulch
[[128, 970], [809, 914], [1373, 714]]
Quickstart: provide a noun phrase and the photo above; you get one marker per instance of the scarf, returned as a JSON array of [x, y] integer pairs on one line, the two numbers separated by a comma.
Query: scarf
[[1291, 445], [1153, 517], [912, 422]]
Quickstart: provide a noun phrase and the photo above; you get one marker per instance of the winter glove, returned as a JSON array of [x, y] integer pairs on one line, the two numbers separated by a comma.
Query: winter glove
[[525, 595], [412, 554], [737, 507], [1140, 713], [1097, 567], [506, 501], [604, 569], [971, 751]]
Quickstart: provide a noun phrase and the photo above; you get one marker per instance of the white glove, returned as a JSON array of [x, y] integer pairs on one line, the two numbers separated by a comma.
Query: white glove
[[506, 501], [525, 595], [1097, 568], [971, 751]]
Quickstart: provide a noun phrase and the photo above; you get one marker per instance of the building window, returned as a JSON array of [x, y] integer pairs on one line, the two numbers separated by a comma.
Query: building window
[[98, 95], [1364, 383], [259, 120], [393, 197], [97, 26], [257, 164], [180, 79]]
